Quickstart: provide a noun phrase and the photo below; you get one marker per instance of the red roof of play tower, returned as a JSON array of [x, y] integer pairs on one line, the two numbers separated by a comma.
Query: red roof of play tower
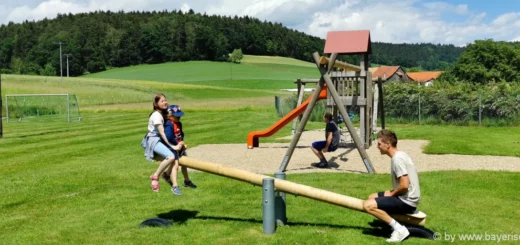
[[348, 42]]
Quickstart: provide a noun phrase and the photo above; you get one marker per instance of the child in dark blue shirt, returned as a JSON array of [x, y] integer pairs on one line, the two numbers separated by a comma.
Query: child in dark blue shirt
[[331, 142], [175, 135]]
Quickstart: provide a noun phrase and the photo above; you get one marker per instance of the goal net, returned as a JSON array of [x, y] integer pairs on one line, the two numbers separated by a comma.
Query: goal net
[[42, 107]]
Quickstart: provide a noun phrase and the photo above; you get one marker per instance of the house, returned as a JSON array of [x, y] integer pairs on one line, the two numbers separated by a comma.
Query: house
[[389, 73], [425, 78]]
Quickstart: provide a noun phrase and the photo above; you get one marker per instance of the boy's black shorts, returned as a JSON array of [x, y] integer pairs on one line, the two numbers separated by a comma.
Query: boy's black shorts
[[393, 205]]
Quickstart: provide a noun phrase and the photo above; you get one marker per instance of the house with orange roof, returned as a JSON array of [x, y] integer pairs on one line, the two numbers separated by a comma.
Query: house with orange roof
[[389, 73], [425, 78]]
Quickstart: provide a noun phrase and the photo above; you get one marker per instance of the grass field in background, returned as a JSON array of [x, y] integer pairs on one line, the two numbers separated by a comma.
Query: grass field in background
[[207, 71], [274, 85], [447, 139], [88, 182], [259, 59], [91, 186], [107, 91]]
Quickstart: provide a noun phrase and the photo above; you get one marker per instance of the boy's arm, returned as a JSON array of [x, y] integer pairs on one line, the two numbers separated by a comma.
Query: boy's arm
[[404, 183], [170, 142], [329, 141], [399, 168]]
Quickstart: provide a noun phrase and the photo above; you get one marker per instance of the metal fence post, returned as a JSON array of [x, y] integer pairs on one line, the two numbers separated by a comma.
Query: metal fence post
[[6, 109], [280, 202], [68, 108], [277, 106], [479, 110], [268, 212], [419, 108]]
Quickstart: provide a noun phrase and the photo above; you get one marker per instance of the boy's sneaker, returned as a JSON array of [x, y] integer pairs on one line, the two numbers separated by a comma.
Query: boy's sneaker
[[398, 235], [166, 177], [176, 190], [189, 184], [322, 165]]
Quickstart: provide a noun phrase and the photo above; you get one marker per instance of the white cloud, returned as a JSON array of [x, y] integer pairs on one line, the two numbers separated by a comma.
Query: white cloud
[[516, 39], [505, 19], [50, 8], [396, 21], [439, 7], [185, 8]]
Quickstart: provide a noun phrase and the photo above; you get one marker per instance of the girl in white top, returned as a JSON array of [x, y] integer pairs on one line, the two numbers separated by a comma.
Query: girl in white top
[[156, 139]]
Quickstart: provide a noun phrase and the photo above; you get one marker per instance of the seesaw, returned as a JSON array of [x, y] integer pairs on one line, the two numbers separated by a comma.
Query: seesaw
[[274, 204]]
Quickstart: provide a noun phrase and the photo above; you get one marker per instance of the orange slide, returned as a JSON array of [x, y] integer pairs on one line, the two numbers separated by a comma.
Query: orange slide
[[252, 138]]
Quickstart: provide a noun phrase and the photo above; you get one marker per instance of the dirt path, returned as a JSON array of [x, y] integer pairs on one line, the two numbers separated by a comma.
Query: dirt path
[[267, 158]]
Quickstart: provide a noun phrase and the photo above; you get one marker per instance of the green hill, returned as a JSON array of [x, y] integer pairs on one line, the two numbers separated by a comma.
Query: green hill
[[198, 84], [258, 59], [257, 72]]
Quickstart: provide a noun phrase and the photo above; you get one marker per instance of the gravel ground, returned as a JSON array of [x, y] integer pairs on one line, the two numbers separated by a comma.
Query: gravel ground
[[267, 158]]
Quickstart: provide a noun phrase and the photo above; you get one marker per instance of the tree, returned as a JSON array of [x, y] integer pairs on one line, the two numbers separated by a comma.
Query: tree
[[49, 70], [30, 68], [486, 61], [16, 66], [236, 56], [414, 69], [96, 66]]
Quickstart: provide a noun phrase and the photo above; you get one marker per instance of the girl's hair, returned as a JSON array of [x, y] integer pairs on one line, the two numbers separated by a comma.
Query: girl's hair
[[156, 99]]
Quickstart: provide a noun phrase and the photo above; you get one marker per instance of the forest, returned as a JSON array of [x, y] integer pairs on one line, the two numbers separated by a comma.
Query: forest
[[97, 41]]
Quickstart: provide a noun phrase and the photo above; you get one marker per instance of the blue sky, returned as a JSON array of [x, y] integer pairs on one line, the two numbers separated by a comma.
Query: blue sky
[[457, 22], [493, 8]]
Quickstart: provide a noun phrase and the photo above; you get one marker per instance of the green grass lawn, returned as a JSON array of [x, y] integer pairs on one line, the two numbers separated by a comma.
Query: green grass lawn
[[249, 84], [91, 186], [109, 91], [208, 71], [259, 59], [446, 139], [87, 182]]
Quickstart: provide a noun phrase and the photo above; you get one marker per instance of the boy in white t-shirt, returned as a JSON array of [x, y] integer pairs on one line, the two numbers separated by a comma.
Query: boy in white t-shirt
[[406, 192]]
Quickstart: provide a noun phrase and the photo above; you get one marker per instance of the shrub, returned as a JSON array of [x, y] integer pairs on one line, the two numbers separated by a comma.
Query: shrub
[[453, 103]]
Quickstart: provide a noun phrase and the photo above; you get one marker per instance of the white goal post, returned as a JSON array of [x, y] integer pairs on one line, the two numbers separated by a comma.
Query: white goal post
[[60, 104]]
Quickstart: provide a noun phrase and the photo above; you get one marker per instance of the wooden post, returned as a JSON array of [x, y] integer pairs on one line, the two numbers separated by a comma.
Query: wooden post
[[301, 91], [306, 115], [381, 104], [375, 103], [369, 107], [362, 108], [344, 114]]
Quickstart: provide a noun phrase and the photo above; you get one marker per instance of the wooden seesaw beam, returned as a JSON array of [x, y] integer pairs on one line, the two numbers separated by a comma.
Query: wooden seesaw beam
[[292, 188]]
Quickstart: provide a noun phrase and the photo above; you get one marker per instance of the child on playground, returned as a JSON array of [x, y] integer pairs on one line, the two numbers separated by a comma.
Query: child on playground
[[331, 142], [156, 143], [174, 134]]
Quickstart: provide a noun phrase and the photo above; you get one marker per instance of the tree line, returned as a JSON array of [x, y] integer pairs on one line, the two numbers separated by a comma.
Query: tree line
[[486, 61], [99, 40]]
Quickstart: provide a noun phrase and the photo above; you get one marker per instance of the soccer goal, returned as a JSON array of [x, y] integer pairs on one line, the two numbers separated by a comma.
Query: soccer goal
[[42, 107]]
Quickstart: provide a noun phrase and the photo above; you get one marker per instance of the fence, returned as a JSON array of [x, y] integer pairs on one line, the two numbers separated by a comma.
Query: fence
[[476, 109], [467, 109]]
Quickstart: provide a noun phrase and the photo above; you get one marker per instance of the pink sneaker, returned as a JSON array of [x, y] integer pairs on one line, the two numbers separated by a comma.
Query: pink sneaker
[[155, 183]]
